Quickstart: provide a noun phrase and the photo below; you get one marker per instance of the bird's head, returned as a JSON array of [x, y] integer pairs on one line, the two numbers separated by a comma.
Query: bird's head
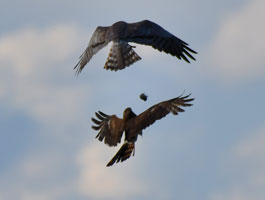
[[128, 113]]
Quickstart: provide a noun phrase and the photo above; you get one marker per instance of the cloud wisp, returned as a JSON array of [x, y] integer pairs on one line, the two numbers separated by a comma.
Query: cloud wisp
[[245, 169], [236, 53]]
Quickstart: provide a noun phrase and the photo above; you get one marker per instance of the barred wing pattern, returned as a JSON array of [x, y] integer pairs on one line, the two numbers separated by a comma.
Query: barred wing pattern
[[122, 54], [110, 126], [96, 43]]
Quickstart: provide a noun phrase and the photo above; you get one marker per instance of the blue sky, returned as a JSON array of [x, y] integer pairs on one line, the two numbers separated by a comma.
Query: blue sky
[[213, 151]]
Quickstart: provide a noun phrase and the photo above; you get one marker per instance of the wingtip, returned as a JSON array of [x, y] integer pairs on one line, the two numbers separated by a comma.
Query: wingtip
[[96, 128], [103, 114], [78, 70]]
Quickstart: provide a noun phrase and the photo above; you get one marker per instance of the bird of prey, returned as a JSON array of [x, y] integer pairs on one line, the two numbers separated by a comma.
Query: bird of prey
[[111, 127], [121, 54], [143, 96]]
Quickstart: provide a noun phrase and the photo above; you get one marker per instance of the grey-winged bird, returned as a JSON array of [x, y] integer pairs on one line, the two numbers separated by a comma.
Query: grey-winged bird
[[121, 54]]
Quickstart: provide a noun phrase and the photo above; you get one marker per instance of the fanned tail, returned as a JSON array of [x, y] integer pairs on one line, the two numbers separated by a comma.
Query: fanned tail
[[125, 152], [121, 55]]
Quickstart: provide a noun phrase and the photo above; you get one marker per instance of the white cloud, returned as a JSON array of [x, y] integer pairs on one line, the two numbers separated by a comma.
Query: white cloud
[[29, 50], [252, 151], [253, 147], [100, 182], [237, 52], [36, 79], [34, 63], [34, 177], [246, 170]]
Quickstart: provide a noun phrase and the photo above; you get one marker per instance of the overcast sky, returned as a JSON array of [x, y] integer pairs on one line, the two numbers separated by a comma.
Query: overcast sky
[[215, 150]]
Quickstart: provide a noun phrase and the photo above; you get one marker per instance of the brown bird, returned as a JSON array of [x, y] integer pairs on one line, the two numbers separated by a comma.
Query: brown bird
[[111, 127], [122, 54]]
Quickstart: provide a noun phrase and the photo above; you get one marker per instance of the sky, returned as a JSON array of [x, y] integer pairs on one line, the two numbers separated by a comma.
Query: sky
[[215, 150]]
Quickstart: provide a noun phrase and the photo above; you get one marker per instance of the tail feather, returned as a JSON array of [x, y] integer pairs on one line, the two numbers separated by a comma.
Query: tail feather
[[125, 152], [121, 55]]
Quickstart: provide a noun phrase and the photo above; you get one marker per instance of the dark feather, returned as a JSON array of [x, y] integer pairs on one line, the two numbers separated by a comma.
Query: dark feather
[[99, 116], [103, 114], [96, 121], [96, 127]]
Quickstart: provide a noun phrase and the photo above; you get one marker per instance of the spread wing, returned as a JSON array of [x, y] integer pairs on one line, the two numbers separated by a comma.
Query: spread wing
[[110, 128], [97, 42], [159, 111], [150, 33]]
